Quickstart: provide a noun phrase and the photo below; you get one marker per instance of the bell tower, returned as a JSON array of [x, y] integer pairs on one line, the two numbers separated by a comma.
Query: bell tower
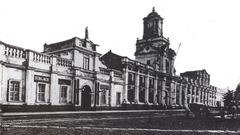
[[152, 25], [153, 49]]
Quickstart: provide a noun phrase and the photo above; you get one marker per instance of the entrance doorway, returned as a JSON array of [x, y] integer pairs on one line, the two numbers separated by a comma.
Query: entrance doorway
[[86, 98]]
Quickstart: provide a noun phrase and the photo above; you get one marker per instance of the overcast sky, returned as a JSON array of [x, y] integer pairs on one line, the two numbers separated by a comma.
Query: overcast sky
[[208, 30]]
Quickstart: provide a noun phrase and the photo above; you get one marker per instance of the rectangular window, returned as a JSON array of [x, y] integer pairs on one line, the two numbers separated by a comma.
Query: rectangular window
[[131, 79], [159, 85], [189, 90], [103, 101], [151, 83], [14, 91], [63, 94], [41, 92], [86, 63], [148, 62], [118, 98], [142, 81]]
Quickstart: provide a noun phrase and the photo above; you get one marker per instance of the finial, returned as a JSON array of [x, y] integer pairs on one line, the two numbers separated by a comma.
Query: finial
[[153, 10], [86, 32]]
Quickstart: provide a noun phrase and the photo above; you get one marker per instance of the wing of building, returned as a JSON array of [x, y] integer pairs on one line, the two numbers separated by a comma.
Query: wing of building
[[72, 75]]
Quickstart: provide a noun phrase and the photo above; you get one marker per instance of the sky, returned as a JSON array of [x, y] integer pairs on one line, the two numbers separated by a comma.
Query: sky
[[208, 30]]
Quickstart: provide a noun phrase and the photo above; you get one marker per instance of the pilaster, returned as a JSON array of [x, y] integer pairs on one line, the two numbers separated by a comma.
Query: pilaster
[[111, 89], [30, 92], [54, 90], [137, 88], [155, 91], [125, 93], [147, 89], [2, 48]]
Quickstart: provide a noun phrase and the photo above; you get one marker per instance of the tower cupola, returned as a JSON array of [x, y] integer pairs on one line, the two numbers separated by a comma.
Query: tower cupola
[[152, 25]]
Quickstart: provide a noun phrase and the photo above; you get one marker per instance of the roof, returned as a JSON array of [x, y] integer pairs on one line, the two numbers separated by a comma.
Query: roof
[[153, 14], [66, 43], [112, 60], [194, 73]]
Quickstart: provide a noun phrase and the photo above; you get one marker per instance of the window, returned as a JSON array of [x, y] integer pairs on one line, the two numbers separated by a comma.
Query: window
[[103, 97], [86, 63], [167, 66], [63, 94], [150, 96], [151, 83], [142, 81], [189, 90], [131, 79], [148, 62], [41, 92], [118, 98], [14, 91], [193, 91], [131, 93]]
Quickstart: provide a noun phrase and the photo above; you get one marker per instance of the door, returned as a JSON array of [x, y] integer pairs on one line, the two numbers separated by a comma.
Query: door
[[86, 97]]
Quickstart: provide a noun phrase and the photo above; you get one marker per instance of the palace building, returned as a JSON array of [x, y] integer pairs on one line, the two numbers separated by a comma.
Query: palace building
[[72, 75]]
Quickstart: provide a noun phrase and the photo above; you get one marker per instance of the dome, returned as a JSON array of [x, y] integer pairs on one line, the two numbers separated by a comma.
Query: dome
[[153, 14]]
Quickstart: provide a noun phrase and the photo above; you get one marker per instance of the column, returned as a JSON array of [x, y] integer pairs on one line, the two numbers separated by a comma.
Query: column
[[137, 87], [207, 96], [163, 91], [199, 94], [172, 93], [159, 90], [163, 64], [204, 96], [190, 95], [195, 93], [185, 104], [180, 94], [147, 89], [125, 93]]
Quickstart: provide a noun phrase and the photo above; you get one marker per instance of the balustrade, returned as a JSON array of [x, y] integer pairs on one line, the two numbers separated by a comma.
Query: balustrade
[[39, 57], [64, 62], [13, 51]]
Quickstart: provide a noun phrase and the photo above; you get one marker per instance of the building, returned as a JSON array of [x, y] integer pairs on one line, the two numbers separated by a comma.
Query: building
[[72, 75]]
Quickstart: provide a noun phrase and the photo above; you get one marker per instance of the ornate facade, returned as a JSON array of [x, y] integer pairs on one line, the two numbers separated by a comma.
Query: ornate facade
[[72, 75]]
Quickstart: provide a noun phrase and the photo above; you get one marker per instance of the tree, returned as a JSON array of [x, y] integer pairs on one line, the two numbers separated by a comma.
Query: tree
[[237, 95], [229, 99]]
